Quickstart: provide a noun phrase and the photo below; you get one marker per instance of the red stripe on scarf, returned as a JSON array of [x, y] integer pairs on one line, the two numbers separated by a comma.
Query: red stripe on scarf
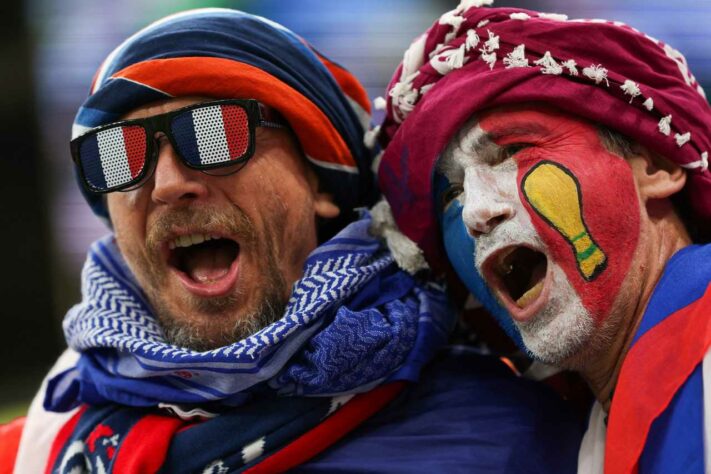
[[62, 437], [332, 429], [145, 446], [652, 372], [196, 76]]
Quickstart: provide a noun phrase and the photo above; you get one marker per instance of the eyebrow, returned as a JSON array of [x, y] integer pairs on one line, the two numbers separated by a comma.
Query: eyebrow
[[484, 143], [519, 129], [486, 147]]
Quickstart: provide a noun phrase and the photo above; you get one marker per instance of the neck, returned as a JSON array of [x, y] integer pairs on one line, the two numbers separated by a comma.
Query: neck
[[659, 240]]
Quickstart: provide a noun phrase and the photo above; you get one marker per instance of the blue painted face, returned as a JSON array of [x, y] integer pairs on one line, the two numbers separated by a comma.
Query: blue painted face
[[460, 251]]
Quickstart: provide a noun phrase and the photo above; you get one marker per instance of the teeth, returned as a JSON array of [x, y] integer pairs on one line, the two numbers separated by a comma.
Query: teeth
[[188, 240], [530, 296]]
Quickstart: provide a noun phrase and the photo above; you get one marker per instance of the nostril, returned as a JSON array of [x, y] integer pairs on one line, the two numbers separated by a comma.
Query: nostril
[[483, 224], [188, 195], [475, 233], [496, 220]]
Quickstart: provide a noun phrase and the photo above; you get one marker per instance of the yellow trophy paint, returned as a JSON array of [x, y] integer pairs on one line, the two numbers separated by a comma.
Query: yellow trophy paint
[[554, 194]]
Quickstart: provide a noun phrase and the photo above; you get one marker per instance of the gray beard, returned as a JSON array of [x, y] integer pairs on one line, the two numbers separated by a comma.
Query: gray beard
[[216, 332], [195, 338]]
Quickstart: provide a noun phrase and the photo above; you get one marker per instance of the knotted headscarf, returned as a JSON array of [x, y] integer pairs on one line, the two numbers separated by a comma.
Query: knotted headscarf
[[225, 53], [475, 58]]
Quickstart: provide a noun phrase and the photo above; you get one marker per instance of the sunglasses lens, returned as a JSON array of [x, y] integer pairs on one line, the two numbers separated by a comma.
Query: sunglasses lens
[[212, 134], [113, 157]]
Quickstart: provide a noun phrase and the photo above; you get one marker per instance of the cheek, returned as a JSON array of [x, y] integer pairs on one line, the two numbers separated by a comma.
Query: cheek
[[129, 227], [583, 203], [460, 249]]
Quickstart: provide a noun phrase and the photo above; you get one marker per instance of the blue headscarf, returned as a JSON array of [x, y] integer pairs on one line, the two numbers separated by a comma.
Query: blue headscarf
[[225, 53]]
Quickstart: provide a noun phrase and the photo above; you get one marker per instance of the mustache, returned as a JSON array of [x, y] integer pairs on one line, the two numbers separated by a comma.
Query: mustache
[[228, 221]]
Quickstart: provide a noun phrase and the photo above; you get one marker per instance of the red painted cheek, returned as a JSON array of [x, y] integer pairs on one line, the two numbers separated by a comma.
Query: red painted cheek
[[583, 202], [582, 199]]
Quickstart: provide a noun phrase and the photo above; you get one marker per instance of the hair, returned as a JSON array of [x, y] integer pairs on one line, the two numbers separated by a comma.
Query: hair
[[623, 146]]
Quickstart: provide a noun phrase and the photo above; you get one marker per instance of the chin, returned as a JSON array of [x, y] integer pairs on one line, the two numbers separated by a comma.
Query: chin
[[562, 329], [211, 323]]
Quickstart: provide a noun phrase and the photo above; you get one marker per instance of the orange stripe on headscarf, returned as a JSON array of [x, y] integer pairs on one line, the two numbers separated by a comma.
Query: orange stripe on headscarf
[[225, 78]]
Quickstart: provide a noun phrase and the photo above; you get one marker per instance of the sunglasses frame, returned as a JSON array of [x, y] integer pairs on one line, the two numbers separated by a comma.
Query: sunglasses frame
[[256, 117]]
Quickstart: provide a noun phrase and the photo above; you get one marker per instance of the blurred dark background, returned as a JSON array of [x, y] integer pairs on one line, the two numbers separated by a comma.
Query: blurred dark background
[[48, 54]]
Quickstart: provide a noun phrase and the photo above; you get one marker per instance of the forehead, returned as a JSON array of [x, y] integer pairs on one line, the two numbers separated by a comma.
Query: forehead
[[525, 120], [530, 124], [163, 106]]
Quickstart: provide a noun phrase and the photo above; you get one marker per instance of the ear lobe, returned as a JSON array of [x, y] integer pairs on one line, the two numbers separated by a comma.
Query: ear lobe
[[656, 177], [325, 207]]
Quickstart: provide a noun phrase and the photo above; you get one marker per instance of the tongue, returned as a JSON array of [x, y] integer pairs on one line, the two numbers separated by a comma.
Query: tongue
[[206, 265]]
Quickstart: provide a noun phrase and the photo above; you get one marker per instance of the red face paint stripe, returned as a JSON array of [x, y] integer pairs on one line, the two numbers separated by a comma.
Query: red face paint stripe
[[664, 362], [134, 139], [234, 120], [597, 263], [196, 76]]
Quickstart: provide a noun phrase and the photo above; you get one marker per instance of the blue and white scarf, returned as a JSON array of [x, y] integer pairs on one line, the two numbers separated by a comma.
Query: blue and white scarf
[[354, 320]]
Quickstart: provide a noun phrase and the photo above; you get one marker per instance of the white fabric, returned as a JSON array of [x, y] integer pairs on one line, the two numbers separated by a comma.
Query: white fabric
[[591, 458], [42, 426], [211, 139], [114, 159], [539, 371]]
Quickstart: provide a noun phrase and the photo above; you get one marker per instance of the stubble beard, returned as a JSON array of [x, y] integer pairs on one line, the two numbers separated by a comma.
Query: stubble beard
[[220, 327], [559, 333]]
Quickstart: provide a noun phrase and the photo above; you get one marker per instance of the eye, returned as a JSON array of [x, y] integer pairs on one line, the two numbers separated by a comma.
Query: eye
[[451, 193], [508, 151]]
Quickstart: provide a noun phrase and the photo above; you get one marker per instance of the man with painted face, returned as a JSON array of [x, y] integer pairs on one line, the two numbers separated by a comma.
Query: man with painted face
[[224, 327], [565, 163]]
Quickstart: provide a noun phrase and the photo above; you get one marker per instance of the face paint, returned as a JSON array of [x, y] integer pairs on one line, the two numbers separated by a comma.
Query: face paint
[[460, 251], [562, 209], [581, 199]]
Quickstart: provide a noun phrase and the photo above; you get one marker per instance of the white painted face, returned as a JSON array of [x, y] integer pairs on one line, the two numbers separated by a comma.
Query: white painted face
[[545, 307]]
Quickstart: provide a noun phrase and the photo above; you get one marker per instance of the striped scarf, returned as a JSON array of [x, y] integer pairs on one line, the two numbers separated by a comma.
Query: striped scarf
[[354, 321]]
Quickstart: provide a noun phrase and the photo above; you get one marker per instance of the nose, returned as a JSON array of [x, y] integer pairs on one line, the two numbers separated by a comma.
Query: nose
[[173, 181], [485, 207]]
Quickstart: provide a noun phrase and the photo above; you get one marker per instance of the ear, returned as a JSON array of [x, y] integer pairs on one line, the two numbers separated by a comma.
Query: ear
[[324, 204], [656, 177]]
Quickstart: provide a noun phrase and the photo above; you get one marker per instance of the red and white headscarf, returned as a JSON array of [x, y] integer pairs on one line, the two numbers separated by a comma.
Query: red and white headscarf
[[475, 58]]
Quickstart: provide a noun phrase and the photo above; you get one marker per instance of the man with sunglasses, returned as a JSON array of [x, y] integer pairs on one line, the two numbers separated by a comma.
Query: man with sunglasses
[[242, 316]]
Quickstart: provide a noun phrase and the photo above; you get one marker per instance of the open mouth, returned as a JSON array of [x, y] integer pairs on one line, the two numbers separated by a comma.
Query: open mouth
[[206, 264], [518, 274]]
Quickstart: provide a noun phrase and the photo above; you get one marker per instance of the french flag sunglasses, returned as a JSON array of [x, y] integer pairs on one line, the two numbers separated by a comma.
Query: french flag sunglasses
[[217, 135]]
